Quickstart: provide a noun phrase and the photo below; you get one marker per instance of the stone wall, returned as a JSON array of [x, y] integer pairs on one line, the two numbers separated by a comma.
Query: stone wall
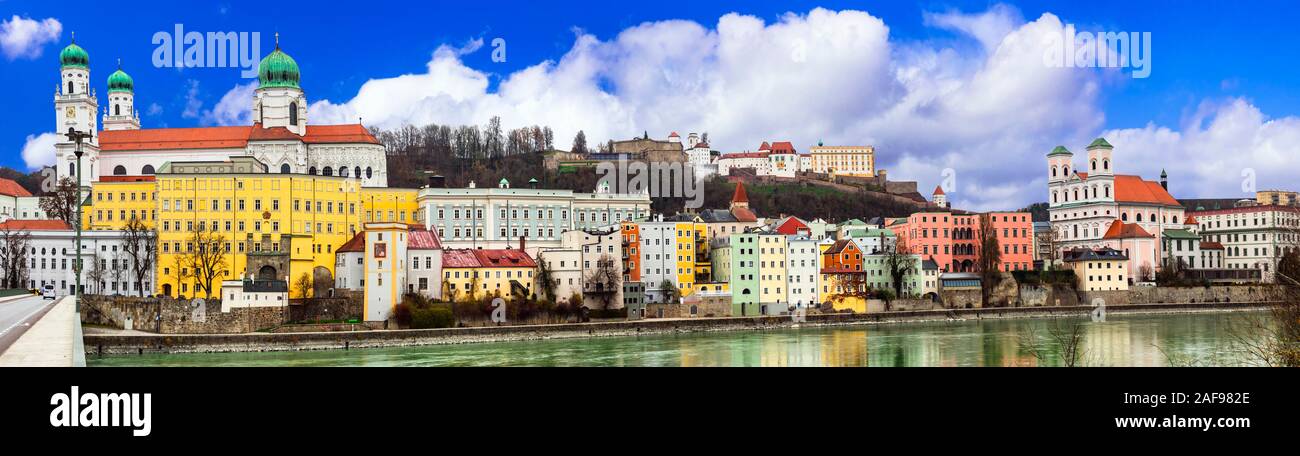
[[325, 309], [704, 308], [1216, 293], [1047, 295], [962, 299], [1109, 298], [169, 316]]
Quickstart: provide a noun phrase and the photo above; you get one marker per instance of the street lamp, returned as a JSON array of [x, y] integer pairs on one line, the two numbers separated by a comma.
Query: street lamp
[[77, 137]]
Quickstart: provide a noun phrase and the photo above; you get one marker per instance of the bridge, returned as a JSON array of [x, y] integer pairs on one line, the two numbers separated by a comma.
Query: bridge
[[38, 332]]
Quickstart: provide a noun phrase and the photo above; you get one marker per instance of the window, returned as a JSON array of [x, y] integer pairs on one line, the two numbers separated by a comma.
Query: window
[[284, 169], [293, 113]]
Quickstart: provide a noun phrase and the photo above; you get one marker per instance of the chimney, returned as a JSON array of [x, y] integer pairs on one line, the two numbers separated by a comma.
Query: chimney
[[437, 181], [522, 243]]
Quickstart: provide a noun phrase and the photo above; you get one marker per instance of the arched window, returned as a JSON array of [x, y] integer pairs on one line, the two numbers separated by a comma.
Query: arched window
[[1175, 219], [1076, 194], [70, 92], [1067, 171], [1139, 217], [1053, 171], [1124, 217], [356, 171], [1107, 191], [1094, 165], [72, 169], [147, 169], [117, 110], [327, 171], [368, 173], [1054, 194], [343, 171], [293, 113], [284, 169], [1105, 164], [311, 170], [119, 170]]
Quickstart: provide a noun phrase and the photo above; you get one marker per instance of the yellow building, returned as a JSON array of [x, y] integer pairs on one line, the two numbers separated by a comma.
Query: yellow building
[[1277, 198], [115, 200], [843, 160], [384, 204], [1102, 269], [772, 272], [473, 274]]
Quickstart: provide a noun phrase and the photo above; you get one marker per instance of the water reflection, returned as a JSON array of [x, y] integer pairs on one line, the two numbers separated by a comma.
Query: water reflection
[[1120, 341]]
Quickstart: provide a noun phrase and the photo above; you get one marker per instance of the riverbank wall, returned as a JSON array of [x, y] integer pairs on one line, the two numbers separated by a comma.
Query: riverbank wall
[[124, 344]]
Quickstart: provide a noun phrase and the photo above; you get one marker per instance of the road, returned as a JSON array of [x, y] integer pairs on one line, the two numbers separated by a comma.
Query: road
[[17, 315]]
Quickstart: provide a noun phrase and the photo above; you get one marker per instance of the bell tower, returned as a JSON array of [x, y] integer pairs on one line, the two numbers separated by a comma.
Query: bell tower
[[120, 113], [279, 100], [75, 108]]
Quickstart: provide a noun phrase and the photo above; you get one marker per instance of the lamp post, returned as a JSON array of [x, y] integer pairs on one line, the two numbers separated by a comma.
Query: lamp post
[[77, 137]]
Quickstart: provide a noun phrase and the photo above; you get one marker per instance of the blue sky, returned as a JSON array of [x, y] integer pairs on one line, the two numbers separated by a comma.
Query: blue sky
[[1209, 63]]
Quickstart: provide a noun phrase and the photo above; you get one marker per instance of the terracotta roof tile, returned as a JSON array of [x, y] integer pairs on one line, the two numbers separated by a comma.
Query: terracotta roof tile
[[356, 244], [1121, 230], [504, 258], [792, 225], [231, 137], [424, 240], [35, 225], [127, 178], [459, 258], [11, 188], [1132, 189], [743, 214]]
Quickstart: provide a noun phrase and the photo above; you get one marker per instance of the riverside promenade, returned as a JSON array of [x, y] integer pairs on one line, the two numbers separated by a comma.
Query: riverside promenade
[[54, 340]]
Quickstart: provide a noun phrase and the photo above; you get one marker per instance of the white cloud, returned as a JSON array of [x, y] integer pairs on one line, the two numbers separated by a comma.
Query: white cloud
[[193, 104], [153, 109], [38, 151], [1214, 148], [989, 111], [22, 37], [234, 108]]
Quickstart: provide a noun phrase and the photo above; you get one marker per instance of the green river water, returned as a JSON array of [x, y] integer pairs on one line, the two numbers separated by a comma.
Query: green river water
[[1204, 338]]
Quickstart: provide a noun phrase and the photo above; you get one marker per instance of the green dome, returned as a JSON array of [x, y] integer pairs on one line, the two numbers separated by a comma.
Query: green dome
[[277, 70], [1100, 142], [119, 81], [74, 56], [1060, 150]]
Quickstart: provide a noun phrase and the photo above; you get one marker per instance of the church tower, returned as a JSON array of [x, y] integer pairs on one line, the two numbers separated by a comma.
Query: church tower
[[75, 108], [1058, 164], [1099, 158], [939, 198], [120, 113], [279, 101]]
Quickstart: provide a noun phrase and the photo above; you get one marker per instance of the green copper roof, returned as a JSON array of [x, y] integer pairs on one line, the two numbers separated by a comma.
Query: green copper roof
[[74, 56], [119, 81], [1180, 234], [1100, 142], [277, 70], [1060, 150]]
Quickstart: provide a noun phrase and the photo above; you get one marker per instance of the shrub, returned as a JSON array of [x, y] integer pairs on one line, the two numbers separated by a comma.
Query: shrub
[[432, 317], [402, 314]]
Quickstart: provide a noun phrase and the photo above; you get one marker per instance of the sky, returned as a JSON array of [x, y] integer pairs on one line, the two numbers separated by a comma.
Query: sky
[[954, 93]]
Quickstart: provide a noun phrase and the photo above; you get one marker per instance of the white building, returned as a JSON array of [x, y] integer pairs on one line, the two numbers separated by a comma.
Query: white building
[[1252, 237], [1085, 204], [565, 266], [802, 256], [18, 203], [279, 136], [108, 267], [250, 293], [496, 218], [659, 252], [423, 263], [700, 156], [842, 160], [385, 260], [598, 247]]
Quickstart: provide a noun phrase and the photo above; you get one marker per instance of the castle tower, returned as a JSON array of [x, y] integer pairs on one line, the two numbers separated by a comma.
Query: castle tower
[[1058, 170], [939, 198], [75, 108], [279, 101], [740, 198], [120, 113]]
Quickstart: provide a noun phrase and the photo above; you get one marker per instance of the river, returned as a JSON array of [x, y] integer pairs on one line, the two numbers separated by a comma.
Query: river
[[1202, 338]]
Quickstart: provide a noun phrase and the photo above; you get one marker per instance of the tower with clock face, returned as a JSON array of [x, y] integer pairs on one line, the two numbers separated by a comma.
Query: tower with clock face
[[75, 107]]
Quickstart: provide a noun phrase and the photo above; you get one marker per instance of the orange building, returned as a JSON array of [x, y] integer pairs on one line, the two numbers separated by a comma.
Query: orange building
[[631, 254]]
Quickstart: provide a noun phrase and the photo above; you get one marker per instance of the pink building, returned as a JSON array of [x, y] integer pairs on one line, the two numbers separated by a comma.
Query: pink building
[[951, 240]]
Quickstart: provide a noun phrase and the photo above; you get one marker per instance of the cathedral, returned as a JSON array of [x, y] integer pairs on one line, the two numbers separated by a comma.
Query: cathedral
[[279, 137], [1094, 207]]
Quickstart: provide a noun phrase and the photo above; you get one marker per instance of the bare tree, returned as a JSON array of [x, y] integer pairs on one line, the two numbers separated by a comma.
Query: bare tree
[[670, 292], [97, 273], [207, 260], [140, 243], [14, 246], [1050, 241], [303, 285], [851, 285], [603, 283], [61, 204], [989, 259], [1065, 340], [118, 261], [898, 264]]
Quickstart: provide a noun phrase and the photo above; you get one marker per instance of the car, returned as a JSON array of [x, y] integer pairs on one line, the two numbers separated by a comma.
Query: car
[[47, 292]]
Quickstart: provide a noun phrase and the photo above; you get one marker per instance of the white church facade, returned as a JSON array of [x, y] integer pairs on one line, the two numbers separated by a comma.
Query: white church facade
[[279, 136]]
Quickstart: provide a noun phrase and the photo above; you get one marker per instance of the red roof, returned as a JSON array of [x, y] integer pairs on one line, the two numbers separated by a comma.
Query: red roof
[[743, 214], [1191, 220], [1207, 245], [702, 145], [740, 196], [459, 258], [764, 146], [1121, 230], [734, 155], [674, 135], [938, 190], [792, 225], [424, 240], [1132, 189], [839, 246], [35, 225], [235, 137], [782, 147], [356, 244], [11, 188], [504, 258], [127, 178]]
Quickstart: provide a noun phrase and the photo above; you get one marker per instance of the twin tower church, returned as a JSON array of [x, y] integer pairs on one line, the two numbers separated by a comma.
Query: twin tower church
[[279, 137]]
